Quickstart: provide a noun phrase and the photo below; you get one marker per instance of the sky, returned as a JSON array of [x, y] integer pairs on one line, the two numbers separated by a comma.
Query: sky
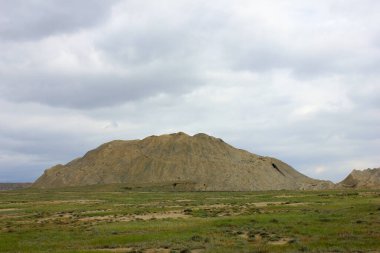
[[293, 79]]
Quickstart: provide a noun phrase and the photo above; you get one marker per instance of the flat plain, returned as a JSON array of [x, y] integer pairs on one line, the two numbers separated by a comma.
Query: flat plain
[[115, 218]]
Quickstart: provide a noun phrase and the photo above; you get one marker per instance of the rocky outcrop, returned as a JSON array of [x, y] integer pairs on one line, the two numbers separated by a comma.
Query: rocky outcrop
[[362, 179], [198, 162]]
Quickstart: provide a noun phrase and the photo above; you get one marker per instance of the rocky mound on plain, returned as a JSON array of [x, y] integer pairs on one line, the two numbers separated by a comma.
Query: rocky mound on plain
[[183, 162], [362, 179]]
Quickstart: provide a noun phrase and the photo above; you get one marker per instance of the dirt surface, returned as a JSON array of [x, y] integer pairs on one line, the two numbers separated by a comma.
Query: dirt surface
[[8, 209], [69, 217], [149, 250]]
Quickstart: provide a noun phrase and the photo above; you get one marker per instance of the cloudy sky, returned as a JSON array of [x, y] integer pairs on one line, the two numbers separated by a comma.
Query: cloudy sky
[[294, 79]]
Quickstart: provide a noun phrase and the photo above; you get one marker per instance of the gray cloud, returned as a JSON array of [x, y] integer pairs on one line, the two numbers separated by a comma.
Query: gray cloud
[[96, 90], [295, 80], [30, 20]]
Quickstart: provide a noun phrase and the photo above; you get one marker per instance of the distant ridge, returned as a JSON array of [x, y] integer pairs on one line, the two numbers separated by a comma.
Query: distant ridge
[[13, 186], [362, 179], [183, 162]]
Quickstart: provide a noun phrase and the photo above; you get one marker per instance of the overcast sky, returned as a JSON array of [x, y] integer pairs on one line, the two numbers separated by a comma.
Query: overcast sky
[[293, 79]]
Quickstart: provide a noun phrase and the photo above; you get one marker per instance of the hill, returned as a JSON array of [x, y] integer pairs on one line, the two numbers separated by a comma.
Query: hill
[[181, 162], [368, 179]]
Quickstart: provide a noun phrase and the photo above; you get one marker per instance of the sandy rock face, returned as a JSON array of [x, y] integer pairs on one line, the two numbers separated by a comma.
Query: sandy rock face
[[366, 179], [198, 162]]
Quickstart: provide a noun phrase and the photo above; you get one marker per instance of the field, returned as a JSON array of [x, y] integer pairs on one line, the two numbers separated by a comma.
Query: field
[[117, 219]]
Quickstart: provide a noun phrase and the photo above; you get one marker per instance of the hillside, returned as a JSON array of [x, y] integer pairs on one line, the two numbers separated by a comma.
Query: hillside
[[183, 162], [362, 179]]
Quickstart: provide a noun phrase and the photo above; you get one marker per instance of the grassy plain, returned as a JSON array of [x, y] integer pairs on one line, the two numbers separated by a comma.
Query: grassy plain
[[117, 219]]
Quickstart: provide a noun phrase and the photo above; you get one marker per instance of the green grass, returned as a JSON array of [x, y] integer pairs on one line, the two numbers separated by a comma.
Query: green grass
[[110, 218]]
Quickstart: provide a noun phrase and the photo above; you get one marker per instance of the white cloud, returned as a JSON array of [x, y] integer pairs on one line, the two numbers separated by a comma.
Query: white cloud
[[293, 79]]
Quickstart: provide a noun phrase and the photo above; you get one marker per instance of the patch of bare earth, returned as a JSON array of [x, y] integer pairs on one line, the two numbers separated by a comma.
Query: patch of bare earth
[[212, 206], [157, 251], [126, 250], [10, 213], [76, 201], [197, 250], [114, 218], [263, 237], [149, 250], [184, 200], [290, 196], [256, 204], [8, 209], [221, 210], [277, 203], [96, 211], [281, 241]]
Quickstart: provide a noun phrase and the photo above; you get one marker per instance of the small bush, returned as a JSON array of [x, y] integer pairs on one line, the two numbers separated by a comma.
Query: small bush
[[274, 221], [197, 238]]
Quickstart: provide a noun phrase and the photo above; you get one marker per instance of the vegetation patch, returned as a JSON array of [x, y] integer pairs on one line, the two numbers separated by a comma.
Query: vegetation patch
[[115, 219]]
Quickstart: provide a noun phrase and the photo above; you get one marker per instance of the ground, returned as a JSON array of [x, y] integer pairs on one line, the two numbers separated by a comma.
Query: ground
[[118, 219]]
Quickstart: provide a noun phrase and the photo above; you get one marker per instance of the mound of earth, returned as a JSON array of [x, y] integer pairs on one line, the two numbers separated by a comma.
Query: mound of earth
[[181, 162], [366, 179]]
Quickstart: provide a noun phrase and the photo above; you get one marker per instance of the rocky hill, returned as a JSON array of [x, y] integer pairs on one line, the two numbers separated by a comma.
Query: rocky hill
[[180, 161], [362, 179]]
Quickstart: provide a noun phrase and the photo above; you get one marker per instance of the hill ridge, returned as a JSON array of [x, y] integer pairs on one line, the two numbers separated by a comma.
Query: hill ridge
[[368, 178], [204, 162]]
